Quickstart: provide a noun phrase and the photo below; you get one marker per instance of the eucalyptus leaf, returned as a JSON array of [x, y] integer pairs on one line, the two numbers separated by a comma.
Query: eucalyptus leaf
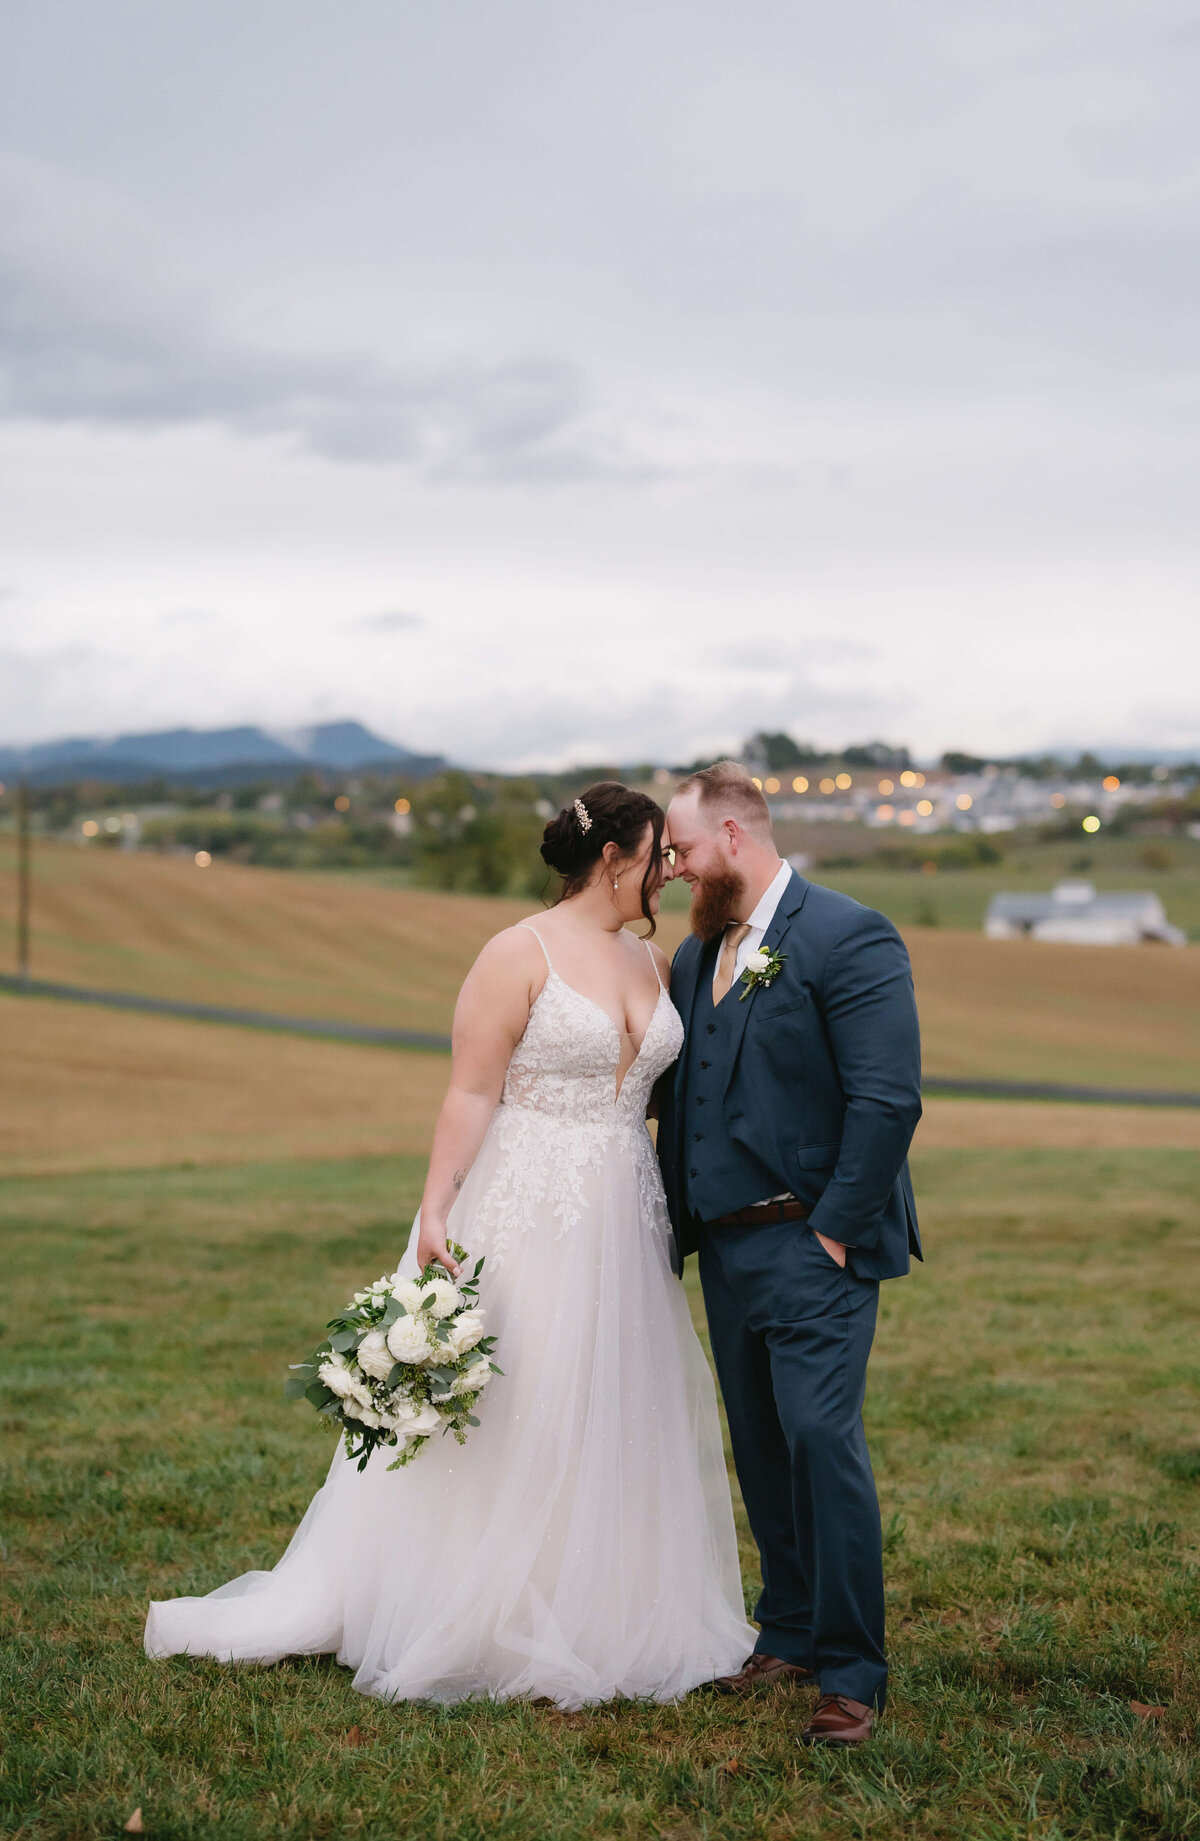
[[295, 1387]]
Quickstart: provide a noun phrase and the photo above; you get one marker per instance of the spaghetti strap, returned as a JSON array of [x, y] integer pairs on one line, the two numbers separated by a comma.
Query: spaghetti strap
[[653, 961], [541, 942]]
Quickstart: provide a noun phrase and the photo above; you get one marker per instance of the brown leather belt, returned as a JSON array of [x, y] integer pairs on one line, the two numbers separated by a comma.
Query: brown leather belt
[[763, 1214]]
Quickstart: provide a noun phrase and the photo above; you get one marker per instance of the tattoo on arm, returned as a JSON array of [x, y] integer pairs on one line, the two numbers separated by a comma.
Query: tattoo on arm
[[459, 1178]]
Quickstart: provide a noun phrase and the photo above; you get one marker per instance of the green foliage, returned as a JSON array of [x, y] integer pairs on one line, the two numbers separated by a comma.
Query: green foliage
[[782, 751], [1031, 1414], [249, 837], [479, 836], [971, 851]]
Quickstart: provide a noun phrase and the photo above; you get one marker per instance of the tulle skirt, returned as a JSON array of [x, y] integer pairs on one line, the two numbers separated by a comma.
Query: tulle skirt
[[581, 1544]]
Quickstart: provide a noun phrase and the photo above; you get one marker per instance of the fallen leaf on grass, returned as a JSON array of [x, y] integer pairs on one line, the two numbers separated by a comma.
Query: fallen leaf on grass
[[1146, 1713], [732, 1766], [135, 1825], [356, 1736]]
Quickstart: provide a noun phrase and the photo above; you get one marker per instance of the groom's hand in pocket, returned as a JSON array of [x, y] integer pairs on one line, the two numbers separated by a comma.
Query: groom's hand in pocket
[[834, 1248]]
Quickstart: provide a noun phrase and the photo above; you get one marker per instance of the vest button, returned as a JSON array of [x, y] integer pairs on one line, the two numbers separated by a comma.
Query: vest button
[[693, 1172], [699, 1099], [705, 1064], [711, 1028], [697, 1137]]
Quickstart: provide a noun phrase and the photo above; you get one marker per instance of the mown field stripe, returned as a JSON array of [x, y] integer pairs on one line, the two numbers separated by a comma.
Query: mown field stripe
[[411, 1038]]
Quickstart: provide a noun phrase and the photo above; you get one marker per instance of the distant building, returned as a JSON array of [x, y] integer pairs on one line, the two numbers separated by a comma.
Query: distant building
[[1075, 914]]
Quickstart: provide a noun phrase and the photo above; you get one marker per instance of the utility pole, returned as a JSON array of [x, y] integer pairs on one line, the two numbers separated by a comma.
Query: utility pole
[[22, 882]]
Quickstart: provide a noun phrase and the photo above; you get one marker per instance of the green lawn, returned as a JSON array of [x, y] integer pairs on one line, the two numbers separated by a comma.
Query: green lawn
[[1032, 1414]]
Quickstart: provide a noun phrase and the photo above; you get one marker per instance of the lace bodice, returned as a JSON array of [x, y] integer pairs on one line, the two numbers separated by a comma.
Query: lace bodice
[[562, 1122], [565, 1065]]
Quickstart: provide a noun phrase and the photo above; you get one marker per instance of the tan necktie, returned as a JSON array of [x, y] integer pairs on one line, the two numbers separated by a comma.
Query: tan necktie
[[735, 933]]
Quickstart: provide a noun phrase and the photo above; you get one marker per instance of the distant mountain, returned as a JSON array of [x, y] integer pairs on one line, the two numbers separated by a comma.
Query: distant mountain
[[347, 746], [220, 756]]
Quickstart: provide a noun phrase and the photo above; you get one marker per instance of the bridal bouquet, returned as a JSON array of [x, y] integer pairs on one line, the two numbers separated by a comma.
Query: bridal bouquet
[[407, 1358]]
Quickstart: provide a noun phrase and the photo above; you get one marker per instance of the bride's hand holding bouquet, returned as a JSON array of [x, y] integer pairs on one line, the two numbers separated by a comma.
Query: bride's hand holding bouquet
[[406, 1358]]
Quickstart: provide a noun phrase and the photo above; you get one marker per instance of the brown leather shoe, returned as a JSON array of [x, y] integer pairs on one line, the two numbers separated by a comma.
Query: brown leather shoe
[[838, 1720], [762, 1672]]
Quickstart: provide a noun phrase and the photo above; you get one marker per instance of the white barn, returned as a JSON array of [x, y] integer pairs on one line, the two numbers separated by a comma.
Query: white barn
[[1076, 914]]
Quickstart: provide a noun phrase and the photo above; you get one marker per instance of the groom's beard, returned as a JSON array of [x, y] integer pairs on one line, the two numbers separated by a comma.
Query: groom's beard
[[716, 899]]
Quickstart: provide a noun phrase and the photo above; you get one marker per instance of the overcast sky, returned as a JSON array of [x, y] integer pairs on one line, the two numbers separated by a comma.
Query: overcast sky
[[543, 381]]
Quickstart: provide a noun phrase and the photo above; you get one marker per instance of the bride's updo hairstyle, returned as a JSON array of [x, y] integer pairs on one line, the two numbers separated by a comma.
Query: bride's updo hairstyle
[[573, 843]]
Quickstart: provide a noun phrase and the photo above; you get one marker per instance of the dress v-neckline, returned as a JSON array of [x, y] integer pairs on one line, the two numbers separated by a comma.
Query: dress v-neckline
[[618, 1085]]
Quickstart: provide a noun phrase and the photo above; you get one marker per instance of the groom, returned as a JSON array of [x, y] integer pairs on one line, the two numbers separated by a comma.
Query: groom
[[783, 1144]]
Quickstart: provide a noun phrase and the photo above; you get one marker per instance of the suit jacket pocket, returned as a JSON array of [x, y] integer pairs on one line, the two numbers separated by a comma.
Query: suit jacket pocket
[[786, 1002], [816, 1156]]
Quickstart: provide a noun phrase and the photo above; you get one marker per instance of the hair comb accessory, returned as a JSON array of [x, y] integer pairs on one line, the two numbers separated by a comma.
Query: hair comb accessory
[[582, 814]]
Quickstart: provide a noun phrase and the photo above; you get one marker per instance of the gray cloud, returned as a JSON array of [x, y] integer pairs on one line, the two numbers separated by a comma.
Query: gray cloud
[[187, 617], [94, 330], [652, 721], [386, 624], [890, 310]]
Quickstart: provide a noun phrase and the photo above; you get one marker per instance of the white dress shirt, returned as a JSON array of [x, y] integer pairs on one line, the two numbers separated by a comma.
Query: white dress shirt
[[761, 919]]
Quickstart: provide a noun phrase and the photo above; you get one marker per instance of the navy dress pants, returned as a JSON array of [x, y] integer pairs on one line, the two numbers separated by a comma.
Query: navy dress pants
[[791, 1332]]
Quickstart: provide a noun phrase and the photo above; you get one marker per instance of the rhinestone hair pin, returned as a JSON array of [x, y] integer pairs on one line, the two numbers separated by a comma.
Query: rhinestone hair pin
[[582, 814]]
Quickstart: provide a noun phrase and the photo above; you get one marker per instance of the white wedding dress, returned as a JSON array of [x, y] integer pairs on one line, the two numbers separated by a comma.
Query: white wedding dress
[[581, 1544]]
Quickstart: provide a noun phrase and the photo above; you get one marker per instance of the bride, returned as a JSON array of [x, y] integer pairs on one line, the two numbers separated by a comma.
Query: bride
[[581, 1544]]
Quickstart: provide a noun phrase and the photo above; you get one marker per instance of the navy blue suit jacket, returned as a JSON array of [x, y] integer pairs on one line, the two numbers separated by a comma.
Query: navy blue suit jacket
[[822, 1082]]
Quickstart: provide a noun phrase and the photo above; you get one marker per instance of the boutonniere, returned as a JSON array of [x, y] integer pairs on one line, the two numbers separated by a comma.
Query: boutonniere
[[762, 967]]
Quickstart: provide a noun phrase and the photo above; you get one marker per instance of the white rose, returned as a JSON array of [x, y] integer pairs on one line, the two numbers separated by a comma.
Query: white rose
[[337, 1378], [465, 1332], [446, 1297], [758, 961], [374, 1356], [365, 1414], [476, 1376], [408, 1340], [412, 1420], [406, 1291]]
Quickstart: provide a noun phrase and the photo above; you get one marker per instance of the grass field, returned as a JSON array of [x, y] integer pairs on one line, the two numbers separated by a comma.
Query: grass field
[[87, 1089], [323, 946], [956, 898], [1032, 1414]]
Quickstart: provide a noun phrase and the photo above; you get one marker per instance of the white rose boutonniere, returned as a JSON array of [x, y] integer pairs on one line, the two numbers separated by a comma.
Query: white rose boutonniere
[[762, 967]]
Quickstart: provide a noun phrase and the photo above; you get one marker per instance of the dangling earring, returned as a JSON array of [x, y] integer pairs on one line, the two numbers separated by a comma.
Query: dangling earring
[[616, 883]]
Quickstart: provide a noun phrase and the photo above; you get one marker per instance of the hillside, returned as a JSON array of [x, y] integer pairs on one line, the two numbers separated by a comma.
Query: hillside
[[321, 946]]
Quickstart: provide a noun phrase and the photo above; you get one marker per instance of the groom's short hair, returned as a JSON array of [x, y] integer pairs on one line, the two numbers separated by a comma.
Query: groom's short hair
[[725, 790]]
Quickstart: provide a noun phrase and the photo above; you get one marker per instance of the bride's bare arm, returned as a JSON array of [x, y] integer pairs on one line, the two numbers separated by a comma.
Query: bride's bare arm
[[489, 1021]]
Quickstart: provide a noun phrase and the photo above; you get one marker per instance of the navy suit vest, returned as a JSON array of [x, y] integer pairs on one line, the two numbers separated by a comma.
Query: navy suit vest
[[719, 1174]]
